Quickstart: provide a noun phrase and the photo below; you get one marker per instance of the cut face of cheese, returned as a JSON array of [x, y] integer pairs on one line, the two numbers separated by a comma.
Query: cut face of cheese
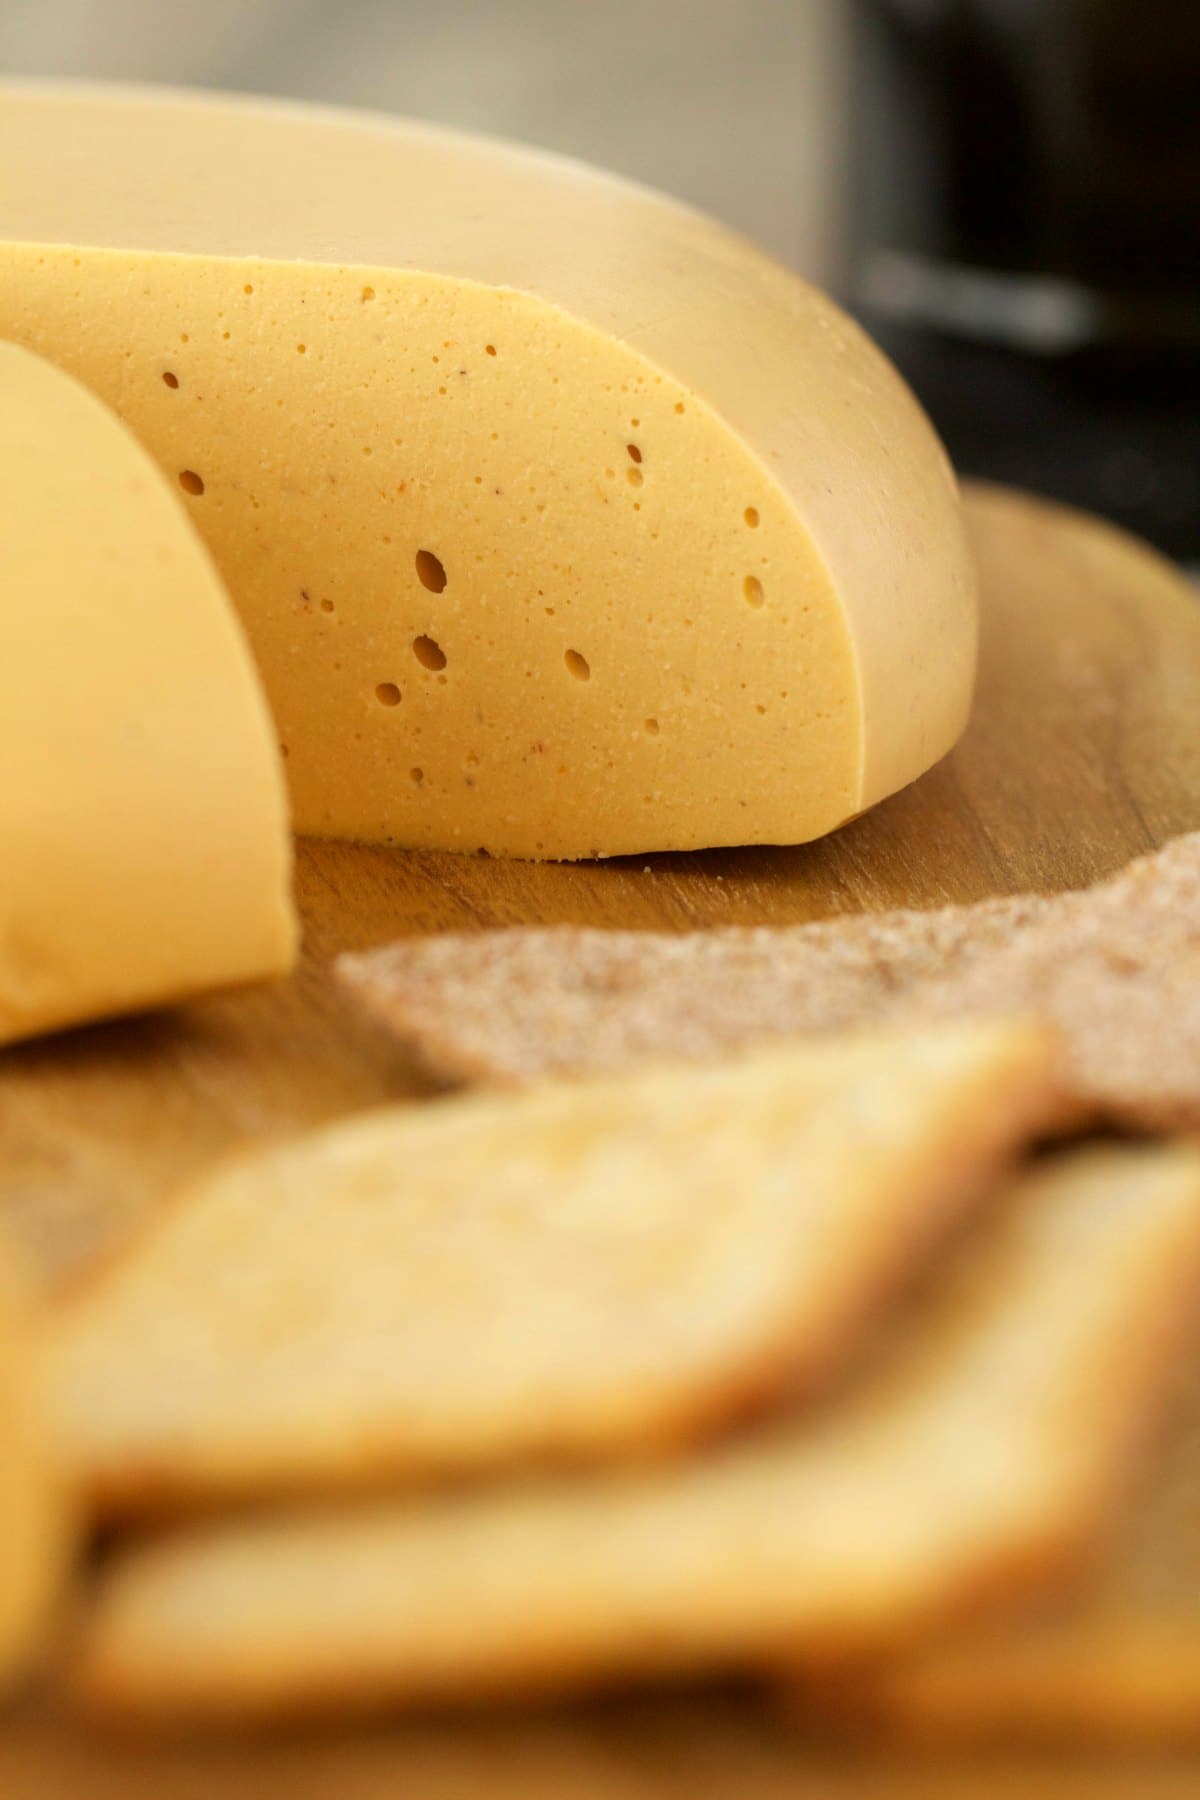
[[144, 846], [562, 521]]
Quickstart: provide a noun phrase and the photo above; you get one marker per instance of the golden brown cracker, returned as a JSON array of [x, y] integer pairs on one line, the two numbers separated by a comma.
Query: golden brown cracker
[[1115, 1658], [36, 1532], [979, 1449], [1115, 969], [577, 1270]]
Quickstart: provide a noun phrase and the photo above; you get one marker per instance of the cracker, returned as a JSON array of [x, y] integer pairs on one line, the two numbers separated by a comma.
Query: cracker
[[572, 1271], [1115, 968], [979, 1449], [1116, 1658], [35, 1524]]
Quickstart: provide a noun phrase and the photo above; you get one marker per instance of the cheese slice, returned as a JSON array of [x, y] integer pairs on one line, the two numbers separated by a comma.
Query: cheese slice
[[144, 847], [563, 521]]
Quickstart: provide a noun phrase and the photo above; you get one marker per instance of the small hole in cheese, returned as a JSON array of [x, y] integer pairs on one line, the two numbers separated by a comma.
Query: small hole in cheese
[[368, 293], [327, 606], [752, 587], [652, 727], [429, 654], [751, 517], [636, 477], [490, 348], [430, 572], [171, 380], [418, 776], [635, 454], [387, 694], [190, 482], [578, 665]]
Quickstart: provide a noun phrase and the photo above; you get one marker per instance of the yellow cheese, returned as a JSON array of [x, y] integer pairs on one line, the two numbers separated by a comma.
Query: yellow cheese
[[563, 521], [144, 850]]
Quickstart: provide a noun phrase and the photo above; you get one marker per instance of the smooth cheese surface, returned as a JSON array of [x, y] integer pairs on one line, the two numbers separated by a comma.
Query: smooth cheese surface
[[563, 522], [144, 844]]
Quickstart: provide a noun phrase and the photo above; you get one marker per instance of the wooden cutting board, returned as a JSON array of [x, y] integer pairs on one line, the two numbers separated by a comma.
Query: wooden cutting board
[[1084, 751]]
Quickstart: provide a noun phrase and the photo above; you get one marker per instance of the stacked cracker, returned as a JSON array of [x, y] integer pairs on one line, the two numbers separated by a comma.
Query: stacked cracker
[[978, 1451], [37, 1528], [800, 1358]]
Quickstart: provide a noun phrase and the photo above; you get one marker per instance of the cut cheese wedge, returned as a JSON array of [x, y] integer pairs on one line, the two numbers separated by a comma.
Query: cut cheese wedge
[[563, 521], [144, 846]]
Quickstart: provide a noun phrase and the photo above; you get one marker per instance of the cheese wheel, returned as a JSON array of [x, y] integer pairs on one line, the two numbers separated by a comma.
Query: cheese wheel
[[563, 522], [144, 846]]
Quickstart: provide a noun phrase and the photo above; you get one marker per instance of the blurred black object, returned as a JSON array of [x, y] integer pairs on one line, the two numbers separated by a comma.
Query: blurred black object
[[1027, 240]]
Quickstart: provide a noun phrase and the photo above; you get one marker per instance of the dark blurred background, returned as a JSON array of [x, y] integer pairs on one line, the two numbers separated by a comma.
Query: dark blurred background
[[1025, 214], [1006, 191]]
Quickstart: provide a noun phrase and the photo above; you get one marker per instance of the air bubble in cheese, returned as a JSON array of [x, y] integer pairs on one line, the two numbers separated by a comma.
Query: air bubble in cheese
[[563, 522], [144, 846]]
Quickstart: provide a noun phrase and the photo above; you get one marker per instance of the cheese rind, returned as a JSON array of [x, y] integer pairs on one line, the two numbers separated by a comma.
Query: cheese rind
[[563, 522], [144, 842]]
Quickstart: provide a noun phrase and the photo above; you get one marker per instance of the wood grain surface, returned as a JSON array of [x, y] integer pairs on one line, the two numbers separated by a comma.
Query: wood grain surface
[[1084, 751]]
